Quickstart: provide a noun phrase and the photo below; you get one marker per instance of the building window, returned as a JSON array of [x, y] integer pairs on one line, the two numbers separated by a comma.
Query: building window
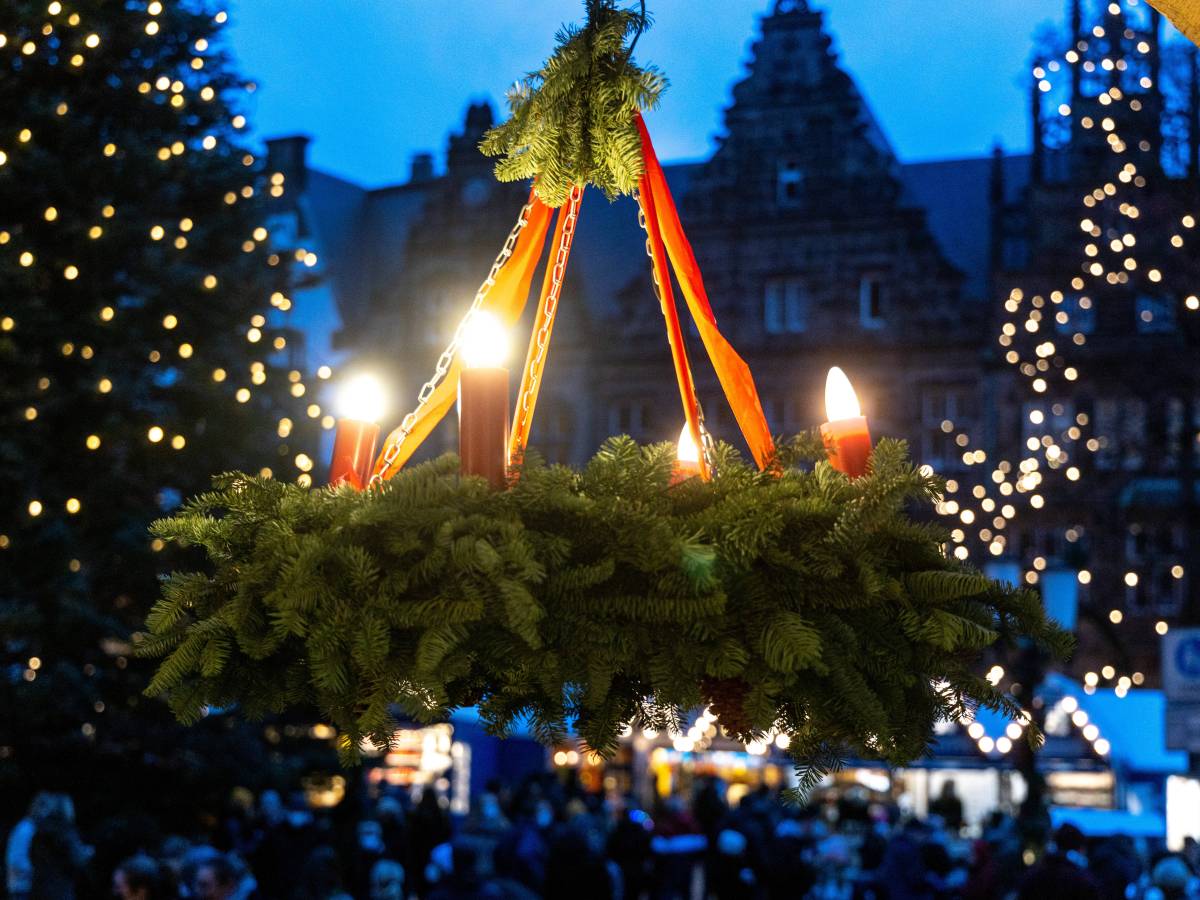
[[785, 306], [821, 141], [1120, 433], [1155, 315], [1076, 314], [785, 414], [1049, 543], [1041, 423], [553, 432], [946, 412], [632, 417], [1153, 553], [789, 182], [870, 302]]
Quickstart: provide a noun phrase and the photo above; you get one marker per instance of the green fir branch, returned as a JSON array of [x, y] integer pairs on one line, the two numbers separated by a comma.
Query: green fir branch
[[597, 600]]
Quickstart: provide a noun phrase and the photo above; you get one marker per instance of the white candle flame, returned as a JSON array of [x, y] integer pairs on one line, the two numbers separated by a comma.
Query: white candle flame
[[840, 400], [484, 342], [362, 398], [688, 452]]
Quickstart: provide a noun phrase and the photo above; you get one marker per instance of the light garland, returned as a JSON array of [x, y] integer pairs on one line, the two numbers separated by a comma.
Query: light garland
[[1067, 706], [991, 504]]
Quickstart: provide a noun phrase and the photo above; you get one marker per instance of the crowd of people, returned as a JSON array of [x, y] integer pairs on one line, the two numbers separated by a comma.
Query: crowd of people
[[547, 838]]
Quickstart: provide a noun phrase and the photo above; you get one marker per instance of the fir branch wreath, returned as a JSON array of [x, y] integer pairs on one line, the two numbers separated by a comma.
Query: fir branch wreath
[[795, 600], [571, 122]]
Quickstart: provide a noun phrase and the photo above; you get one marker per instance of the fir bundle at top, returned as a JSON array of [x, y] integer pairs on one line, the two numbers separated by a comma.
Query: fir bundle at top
[[802, 597]]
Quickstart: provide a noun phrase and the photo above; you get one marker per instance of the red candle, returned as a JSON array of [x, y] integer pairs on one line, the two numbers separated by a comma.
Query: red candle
[[357, 433], [483, 401], [846, 436], [687, 458]]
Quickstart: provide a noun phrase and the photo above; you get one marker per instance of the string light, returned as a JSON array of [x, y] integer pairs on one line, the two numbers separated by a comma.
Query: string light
[[1057, 446]]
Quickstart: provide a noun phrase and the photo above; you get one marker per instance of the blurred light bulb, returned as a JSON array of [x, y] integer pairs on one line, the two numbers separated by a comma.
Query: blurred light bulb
[[362, 398], [484, 341]]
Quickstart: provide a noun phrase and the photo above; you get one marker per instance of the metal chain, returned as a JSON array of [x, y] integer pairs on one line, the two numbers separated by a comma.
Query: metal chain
[[542, 339], [447, 358], [707, 444]]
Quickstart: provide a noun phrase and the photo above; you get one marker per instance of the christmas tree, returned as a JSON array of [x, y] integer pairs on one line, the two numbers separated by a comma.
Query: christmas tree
[[143, 346]]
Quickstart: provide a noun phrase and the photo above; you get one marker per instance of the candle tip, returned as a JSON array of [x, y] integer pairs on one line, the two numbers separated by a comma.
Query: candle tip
[[688, 452], [361, 398], [484, 341], [840, 400]]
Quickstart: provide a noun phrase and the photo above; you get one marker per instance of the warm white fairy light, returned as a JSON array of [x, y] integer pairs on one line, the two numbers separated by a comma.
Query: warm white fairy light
[[178, 91], [1046, 367]]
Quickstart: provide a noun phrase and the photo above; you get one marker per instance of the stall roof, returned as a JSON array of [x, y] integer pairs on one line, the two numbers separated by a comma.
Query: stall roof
[[1134, 725], [1105, 822]]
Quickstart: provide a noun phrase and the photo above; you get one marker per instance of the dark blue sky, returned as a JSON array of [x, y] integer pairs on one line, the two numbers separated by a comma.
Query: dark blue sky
[[373, 81]]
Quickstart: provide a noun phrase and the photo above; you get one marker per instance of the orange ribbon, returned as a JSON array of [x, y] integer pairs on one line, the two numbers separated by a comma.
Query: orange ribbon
[[666, 297], [506, 300], [732, 371]]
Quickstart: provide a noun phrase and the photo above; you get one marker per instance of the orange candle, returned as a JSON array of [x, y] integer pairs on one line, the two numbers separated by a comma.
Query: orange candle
[[846, 436], [687, 458], [357, 433], [483, 401]]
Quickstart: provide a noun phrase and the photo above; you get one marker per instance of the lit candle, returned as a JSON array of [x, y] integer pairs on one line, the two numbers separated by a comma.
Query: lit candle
[[361, 402], [847, 439], [483, 400], [687, 457]]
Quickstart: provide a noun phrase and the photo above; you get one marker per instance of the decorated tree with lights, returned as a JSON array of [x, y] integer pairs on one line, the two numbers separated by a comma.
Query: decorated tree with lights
[[1098, 276], [143, 346]]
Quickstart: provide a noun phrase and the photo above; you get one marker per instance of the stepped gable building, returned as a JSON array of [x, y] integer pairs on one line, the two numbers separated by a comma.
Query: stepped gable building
[[818, 248]]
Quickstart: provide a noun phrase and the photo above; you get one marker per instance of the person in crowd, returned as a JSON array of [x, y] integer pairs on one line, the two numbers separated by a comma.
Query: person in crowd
[[289, 834], [521, 854], [575, 865], [1062, 872], [321, 876], [1171, 878], [949, 806], [468, 878], [430, 828], [57, 853], [549, 837], [1115, 865], [172, 853], [676, 845], [369, 850], [387, 880], [1191, 853], [389, 813], [730, 875], [141, 877], [17, 861], [216, 878], [629, 847], [788, 855]]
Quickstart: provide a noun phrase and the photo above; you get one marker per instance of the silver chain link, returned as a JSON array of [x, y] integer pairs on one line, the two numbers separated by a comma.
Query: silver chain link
[[542, 340], [707, 444], [447, 358]]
